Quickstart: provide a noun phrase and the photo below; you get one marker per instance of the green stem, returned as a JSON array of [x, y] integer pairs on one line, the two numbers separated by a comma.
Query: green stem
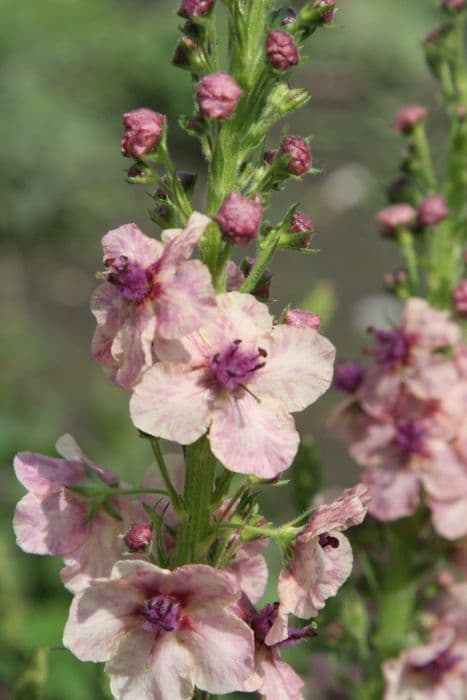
[[423, 149], [174, 496], [406, 243], [200, 465], [262, 262]]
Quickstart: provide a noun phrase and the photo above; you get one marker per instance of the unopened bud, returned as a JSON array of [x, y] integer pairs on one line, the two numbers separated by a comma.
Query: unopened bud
[[454, 5], [299, 150], [138, 537], [143, 132], [281, 50], [239, 219], [300, 223], [432, 210], [186, 55], [140, 174], [396, 278], [217, 95], [195, 8], [290, 16], [328, 16], [407, 117], [348, 377], [394, 217], [269, 156], [302, 319], [459, 298]]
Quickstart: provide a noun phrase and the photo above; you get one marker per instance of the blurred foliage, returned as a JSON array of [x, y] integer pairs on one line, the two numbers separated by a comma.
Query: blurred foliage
[[67, 72]]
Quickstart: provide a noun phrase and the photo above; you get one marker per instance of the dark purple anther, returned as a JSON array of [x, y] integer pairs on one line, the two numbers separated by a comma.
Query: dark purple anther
[[432, 210], [407, 117], [264, 620], [281, 51], [239, 219], [348, 377], [138, 537], [195, 8], [129, 277], [328, 17], [391, 346], [299, 150], [326, 540], [235, 366], [143, 132], [161, 612], [409, 437], [217, 95]]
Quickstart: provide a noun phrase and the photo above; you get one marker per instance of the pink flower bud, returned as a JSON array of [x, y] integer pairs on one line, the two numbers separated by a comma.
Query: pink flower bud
[[300, 223], [143, 132], [195, 8], [394, 217], [217, 95], [281, 50], [302, 319], [290, 17], [299, 150], [328, 17], [239, 218], [432, 210], [138, 537], [269, 156], [459, 298], [454, 5], [184, 50], [461, 113], [407, 117], [394, 279]]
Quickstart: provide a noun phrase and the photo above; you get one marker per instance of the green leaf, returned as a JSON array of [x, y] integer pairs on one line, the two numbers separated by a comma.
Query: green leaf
[[306, 475]]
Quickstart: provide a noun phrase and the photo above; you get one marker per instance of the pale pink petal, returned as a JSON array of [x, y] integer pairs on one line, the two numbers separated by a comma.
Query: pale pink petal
[[148, 669], [251, 437], [449, 516], [52, 525], [380, 390], [130, 242], [251, 574], [180, 243], [100, 617], [110, 311], [427, 327], [223, 648], [443, 473], [280, 628], [142, 575], [316, 574], [346, 511], [185, 301], [240, 316], [430, 377], [172, 403], [235, 277], [298, 369], [68, 448], [370, 440], [45, 475], [197, 583], [280, 682], [395, 492]]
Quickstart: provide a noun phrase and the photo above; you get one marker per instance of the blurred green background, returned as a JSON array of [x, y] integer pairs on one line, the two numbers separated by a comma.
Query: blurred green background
[[68, 69]]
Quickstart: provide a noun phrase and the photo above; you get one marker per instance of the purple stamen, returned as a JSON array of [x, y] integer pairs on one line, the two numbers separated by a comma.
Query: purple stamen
[[326, 540], [234, 367], [391, 346], [409, 437], [161, 612], [264, 620], [439, 666], [131, 279]]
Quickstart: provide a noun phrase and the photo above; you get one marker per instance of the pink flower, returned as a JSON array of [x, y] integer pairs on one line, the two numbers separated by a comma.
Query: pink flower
[[151, 287], [322, 557], [162, 632], [281, 51], [239, 377], [436, 670], [217, 95], [51, 519], [143, 132]]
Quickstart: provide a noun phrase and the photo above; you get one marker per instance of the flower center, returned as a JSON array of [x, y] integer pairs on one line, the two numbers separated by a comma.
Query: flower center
[[234, 366], [439, 666], [264, 620], [161, 612], [326, 540], [391, 346], [133, 282], [409, 437]]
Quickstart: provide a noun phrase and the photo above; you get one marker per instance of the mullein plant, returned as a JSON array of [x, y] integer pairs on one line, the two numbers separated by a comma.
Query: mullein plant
[[168, 574]]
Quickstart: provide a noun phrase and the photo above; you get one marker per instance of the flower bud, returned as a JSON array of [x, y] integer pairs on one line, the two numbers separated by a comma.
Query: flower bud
[[143, 132], [395, 216], [269, 156], [302, 319], [194, 8], [396, 278], [300, 223], [290, 17], [454, 5], [281, 51], [239, 219], [328, 17], [432, 210], [140, 174], [186, 55], [299, 150], [459, 298], [348, 377], [138, 537], [407, 117], [217, 95]]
